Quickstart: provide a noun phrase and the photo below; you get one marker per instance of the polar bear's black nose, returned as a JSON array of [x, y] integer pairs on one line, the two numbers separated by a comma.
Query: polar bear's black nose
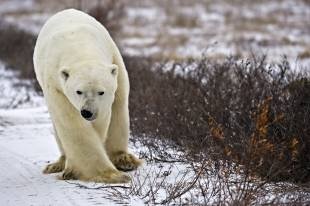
[[86, 114]]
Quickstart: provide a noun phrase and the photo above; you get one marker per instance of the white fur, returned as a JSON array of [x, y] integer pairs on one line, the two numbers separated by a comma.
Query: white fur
[[73, 42]]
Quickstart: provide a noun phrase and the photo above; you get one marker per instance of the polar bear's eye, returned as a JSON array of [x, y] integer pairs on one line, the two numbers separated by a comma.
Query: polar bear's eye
[[100, 93], [79, 92]]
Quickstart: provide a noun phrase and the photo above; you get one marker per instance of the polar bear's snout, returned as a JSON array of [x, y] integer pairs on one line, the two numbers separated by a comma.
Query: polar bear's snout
[[88, 113]]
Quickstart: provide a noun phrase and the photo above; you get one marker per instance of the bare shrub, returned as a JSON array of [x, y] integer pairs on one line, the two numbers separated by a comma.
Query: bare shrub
[[184, 20], [17, 48], [245, 111], [205, 182]]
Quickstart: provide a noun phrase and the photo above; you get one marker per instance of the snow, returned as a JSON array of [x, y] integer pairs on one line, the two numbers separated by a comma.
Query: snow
[[27, 145], [150, 14], [11, 6], [31, 23], [15, 92], [226, 22]]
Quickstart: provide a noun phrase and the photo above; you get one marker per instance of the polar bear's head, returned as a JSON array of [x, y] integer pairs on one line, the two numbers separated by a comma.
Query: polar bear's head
[[90, 88]]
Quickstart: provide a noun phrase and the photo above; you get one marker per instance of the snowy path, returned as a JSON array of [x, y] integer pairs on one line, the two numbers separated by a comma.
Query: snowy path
[[26, 143]]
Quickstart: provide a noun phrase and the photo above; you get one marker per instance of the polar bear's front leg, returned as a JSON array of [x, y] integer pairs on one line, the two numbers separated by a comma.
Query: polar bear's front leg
[[117, 141], [125, 161], [59, 165], [86, 158], [118, 133]]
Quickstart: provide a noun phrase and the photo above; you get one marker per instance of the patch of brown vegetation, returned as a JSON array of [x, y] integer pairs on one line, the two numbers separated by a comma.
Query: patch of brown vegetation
[[17, 48], [305, 54], [247, 112]]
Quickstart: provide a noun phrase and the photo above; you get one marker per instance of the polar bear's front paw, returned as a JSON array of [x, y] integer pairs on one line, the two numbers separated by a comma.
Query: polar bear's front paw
[[112, 176], [108, 176], [56, 166], [125, 161]]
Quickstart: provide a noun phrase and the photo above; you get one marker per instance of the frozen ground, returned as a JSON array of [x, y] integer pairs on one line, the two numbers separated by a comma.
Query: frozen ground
[[27, 145], [219, 28]]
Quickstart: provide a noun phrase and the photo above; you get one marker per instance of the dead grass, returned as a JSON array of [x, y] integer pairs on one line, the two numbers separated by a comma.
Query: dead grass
[[184, 20], [305, 54], [206, 182], [245, 111], [16, 49], [109, 14]]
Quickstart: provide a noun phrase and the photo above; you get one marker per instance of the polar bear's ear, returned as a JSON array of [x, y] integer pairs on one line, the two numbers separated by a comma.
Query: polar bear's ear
[[64, 74], [114, 69]]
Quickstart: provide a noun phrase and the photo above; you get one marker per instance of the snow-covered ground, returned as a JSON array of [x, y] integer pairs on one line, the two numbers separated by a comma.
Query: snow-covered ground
[[224, 27]]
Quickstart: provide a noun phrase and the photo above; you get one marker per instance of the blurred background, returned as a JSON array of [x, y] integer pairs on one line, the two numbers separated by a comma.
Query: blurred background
[[175, 29]]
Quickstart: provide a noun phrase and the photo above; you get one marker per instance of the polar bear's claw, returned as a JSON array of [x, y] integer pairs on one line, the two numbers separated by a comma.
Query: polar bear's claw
[[55, 167], [125, 161]]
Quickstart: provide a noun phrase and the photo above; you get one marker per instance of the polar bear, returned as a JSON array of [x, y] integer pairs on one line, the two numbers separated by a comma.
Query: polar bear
[[86, 87]]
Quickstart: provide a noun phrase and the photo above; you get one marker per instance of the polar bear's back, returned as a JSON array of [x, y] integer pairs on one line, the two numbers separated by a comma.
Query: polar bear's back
[[66, 18], [62, 23]]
